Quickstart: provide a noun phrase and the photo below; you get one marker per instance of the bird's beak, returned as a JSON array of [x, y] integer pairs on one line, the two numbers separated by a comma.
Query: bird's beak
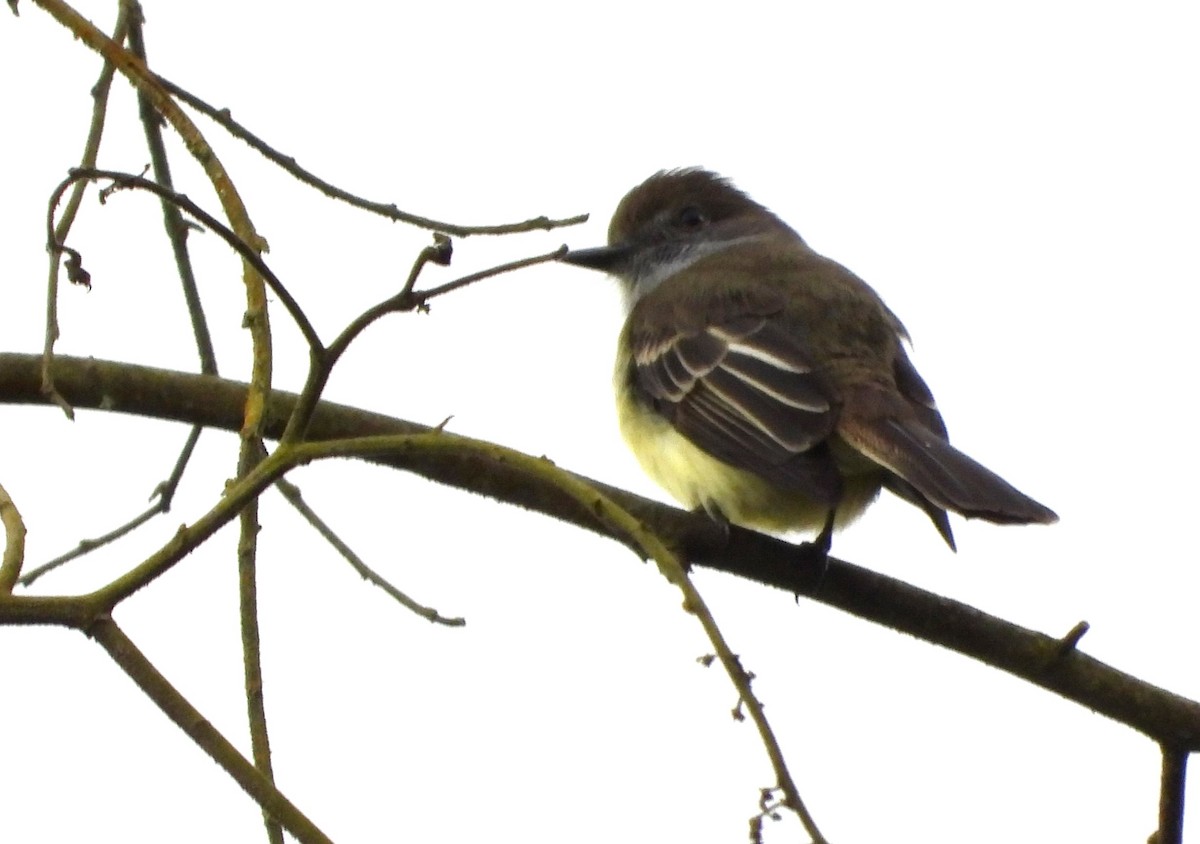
[[604, 258]]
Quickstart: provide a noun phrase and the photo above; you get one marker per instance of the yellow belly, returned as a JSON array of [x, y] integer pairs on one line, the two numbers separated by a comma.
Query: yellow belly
[[697, 479]]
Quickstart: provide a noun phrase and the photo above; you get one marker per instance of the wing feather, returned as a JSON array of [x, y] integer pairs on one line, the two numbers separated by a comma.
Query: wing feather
[[742, 386]]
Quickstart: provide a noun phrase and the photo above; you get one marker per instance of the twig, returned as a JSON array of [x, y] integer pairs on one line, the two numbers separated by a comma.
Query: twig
[[248, 253], [86, 546], [388, 210], [1170, 801], [440, 252], [322, 363], [173, 221], [91, 148], [176, 707], [252, 453], [164, 493], [135, 70], [421, 299], [292, 493], [617, 520], [176, 228], [768, 808]]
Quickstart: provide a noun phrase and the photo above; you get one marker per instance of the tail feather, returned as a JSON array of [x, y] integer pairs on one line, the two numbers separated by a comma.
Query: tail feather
[[941, 474], [902, 488]]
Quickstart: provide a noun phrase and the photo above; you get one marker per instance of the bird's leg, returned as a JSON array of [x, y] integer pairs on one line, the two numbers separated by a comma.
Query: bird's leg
[[816, 553], [824, 540], [718, 518]]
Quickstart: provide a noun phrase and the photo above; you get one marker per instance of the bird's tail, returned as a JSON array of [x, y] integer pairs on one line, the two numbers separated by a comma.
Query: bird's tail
[[940, 473]]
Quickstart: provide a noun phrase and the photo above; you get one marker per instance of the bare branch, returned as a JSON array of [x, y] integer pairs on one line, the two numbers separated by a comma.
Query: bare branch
[[292, 493], [247, 252], [176, 707], [91, 148], [1165, 717], [406, 300], [252, 453], [173, 221], [135, 70], [86, 546], [1170, 802], [389, 209]]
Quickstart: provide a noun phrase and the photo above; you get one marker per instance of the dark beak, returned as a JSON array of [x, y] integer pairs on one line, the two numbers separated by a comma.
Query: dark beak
[[604, 258]]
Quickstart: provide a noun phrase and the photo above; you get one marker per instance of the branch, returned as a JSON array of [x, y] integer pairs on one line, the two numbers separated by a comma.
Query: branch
[[127, 655], [1169, 719], [252, 454], [248, 253], [645, 542], [292, 493], [91, 148], [1170, 803], [135, 70], [384, 209], [173, 221], [14, 542]]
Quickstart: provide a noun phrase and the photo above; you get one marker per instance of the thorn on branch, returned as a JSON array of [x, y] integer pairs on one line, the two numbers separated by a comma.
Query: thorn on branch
[[1070, 641], [119, 184], [737, 713]]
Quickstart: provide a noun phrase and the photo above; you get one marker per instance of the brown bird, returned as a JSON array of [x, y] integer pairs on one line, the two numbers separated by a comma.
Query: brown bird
[[766, 383]]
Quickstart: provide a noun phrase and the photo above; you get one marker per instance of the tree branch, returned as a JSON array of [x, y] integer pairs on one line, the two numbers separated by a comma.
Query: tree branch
[[1169, 719], [127, 655]]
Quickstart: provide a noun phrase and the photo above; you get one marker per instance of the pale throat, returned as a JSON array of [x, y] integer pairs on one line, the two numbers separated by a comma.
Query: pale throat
[[656, 266]]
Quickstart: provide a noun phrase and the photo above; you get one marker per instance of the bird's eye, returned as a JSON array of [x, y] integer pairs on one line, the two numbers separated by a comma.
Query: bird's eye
[[691, 217]]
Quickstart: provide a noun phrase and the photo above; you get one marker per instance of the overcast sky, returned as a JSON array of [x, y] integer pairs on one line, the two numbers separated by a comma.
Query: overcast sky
[[1021, 187]]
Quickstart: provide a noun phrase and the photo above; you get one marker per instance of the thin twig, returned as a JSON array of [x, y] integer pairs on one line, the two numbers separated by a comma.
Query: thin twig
[[132, 18], [1170, 801], [248, 253], [322, 364], [190, 537], [256, 316], [176, 227], [421, 298], [86, 546], [621, 522], [164, 493], [251, 455], [388, 210], [440, 252], [292, 493], [91, 149], [322, 361]]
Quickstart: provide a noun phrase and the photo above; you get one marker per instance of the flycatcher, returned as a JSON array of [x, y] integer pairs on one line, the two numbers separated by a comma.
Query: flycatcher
[[766, 383]]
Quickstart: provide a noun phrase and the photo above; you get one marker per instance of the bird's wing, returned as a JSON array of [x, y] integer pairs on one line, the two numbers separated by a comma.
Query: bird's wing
[[913, 388], [739, 383]]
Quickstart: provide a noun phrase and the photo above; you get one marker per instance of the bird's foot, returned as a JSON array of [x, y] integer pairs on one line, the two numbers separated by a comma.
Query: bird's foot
[[813, 557]]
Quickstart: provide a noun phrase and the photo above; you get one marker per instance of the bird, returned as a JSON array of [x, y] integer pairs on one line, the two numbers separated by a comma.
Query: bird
[[766, 384]]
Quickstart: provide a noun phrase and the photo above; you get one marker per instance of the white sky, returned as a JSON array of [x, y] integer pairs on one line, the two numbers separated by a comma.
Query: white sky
[[1021, 187]]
